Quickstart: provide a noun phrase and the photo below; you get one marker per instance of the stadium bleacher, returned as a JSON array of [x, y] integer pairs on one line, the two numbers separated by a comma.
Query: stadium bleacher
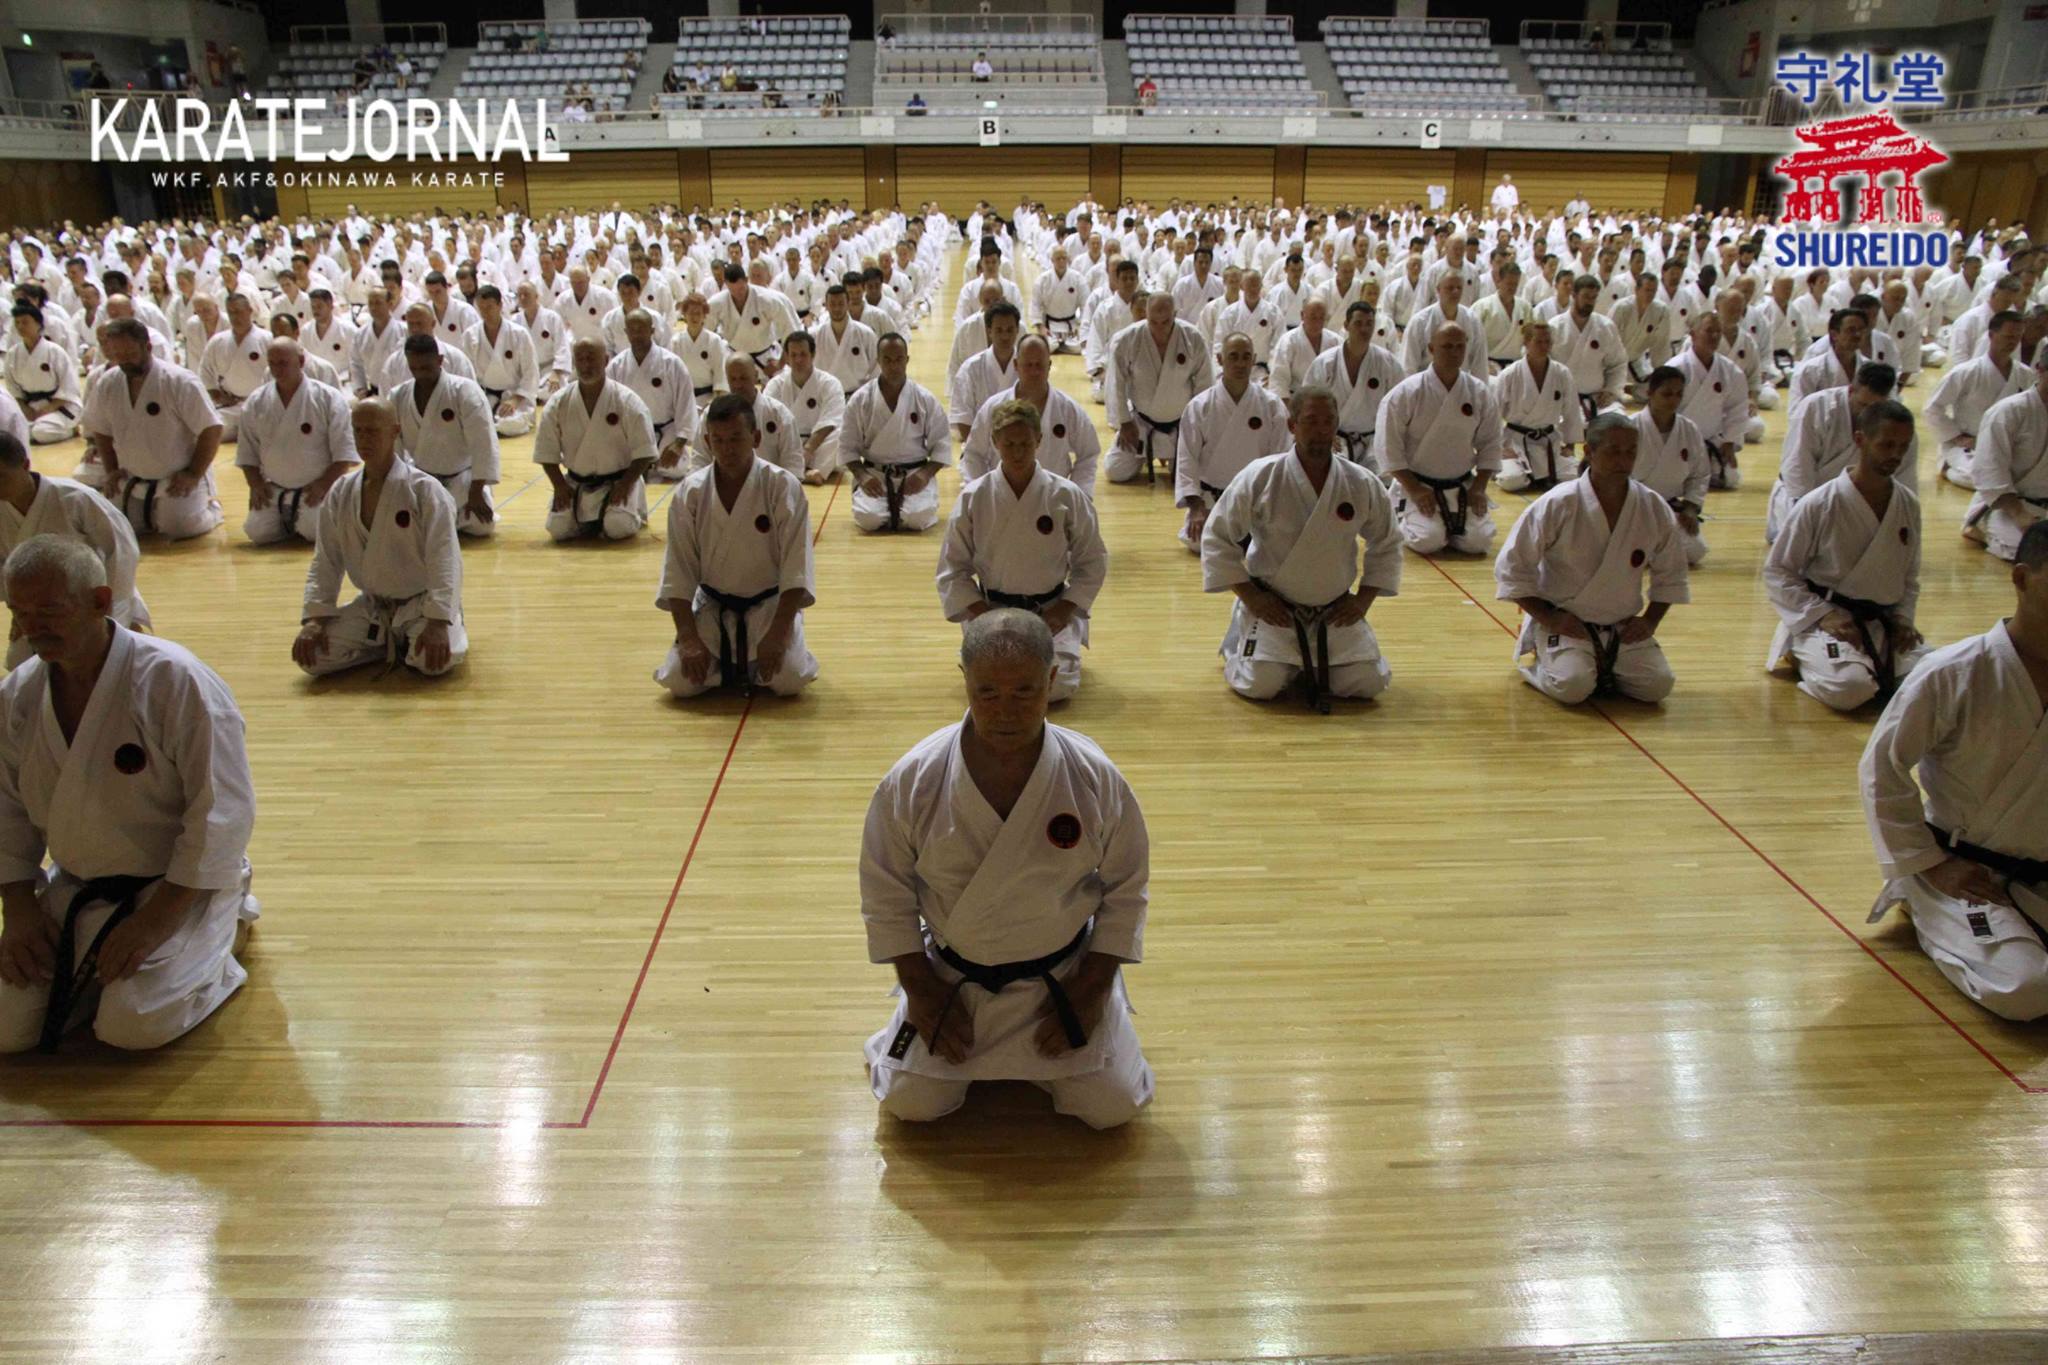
[[557, 61], [312, 65], [1219, 62], [1635, 74], [1434, 66], [803, 57]]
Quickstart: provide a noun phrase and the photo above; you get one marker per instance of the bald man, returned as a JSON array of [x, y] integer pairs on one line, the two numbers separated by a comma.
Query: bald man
[[445, 428], [1158, 366], [1440, 439], [34, 504], [660, 380], [419, 322], [296, 443], [1224, 429], [232, 365], [1067, 441], [1299, 347], [595, 443]]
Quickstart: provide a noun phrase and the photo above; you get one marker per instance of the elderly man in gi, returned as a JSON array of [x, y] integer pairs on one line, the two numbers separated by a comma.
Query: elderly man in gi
[[1966, 392], [1716, 398], [122, 762], [894, 444], [1844, 572], [1283, 539], [1575, 563], [774, 424], [1588, 344], [445, 427], [232, 365], [1157, 367], [550, 339], [737, 576], [506, 369], [2011, 468], [1056, 300], [33, 504], [1820, 441], [1440, 440], [1447, 311], [660, 380], [1299, 348], [1022, 536], [296, 442], [1955, 790], [1539, 406], [1067, 441], [817, 404], [1227, 426], [595, 442], [1003, 876], [1671, 457], [155, 434], [390, 527], [1361, 373]]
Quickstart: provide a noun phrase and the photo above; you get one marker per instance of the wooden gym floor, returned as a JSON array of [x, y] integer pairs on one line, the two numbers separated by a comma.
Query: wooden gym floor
[[1478, 1022]]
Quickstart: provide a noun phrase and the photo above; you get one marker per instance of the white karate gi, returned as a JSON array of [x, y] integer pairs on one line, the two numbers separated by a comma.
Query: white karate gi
[[758, 551], [967, 304], [551, 349], [1592, 351], [452, 328], [595, 447], [1440, 433], [849, 357], [1500, 330], [704, 355], [662, 384], [1820, 442], [397, 373], [584, 317], [46, 374], [980, 375], [1219, 437], [153, 436], [63, 507], [1152, 388], [1293, 357], [1304, 547], [371, 353], [453, 438], [154, 783], [236, 366], [1360, 394], [1043, 544], [507, 373], [756, 326], [1070, 863], [407, 569], [1644, 335], [1068, 443], [2011, 457], [1970, 726], [820, 403], [1958, 404], [291, 445], [1426, 323], [1262, 324], [1832, 539], [1717, 400], [14, 421], [1563, 551], [1056, 305], [1674, 465], [777, 444], [336, 346], [913, 432], [1540, 419]]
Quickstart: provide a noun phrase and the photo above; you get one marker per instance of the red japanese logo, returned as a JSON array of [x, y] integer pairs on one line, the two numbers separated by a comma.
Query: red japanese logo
[[1857, 153]]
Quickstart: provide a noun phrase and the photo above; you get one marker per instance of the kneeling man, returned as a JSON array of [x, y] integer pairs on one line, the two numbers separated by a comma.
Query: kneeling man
[[1003, 875], [1440, 441], [296, 442], [595, 443]]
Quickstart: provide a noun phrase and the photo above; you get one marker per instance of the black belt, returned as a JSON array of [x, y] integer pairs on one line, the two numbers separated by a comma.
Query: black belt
[[735, 658], [1068, 318], [1153, 429], [1866, 614], [1606, 642], [1034, 602], [893, 476], [294, 498], [1542, 434], [1315, 664], [769, 349], [1452, 509], [1212, 490], [68, 982], [1357, 446], [1590, 403], [1783, 360], [701, 390], [994, 978], [148, 487], [583, 483], [2010, 866], [497, 395], [37, 395]]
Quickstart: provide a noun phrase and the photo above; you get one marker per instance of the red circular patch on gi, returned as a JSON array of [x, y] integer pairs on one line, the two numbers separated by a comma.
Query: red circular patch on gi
[[1064, 831], [1635, 559], [611, 419], [854, 351], [703, 355], [1684, 454], [447, 414], [451, 326], [762, 524], [1372, 383], [593, 312], [1045, 525], [1717, 386], [1256, 423], [1263, 322], [1905, 536], [508, 354], [771, 428], [913, 421], [545, 334], [1557, 398], [1345, 511], [404, 518], [1465, 408], [1742, 355], [657, 381], [154, 409], [1595, 343], [1059, 430], [305, 428], [130, 759], [756, 322], [1179, 359], [810, 402], [252, 355]]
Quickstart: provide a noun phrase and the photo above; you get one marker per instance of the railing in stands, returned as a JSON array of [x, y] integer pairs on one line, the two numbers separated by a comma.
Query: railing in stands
[[1257, 23], [502, 29], [1613, 37], [369, 35], [1449, 28], [963, 30]]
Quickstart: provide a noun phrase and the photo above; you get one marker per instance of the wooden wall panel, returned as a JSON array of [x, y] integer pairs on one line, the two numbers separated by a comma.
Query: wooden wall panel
[[1290, 172], [1471, 187], [1207, 175], [36, 193], [776, 175], [593, 180], [1106, 174], [958, 176], [1549, 180], [387, 187], [880, 174], [1371, 176], [1682, 184]]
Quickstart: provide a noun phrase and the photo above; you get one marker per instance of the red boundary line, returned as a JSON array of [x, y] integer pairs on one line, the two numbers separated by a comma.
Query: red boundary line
[[486, 1125], [1766, 858]]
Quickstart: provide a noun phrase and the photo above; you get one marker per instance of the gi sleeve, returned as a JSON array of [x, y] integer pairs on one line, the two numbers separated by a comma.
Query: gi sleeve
[[961, 392], [1390, 437], [324, 573], [1086, 443], [479, 434], [1909, 601], [1189, 444], [255, 421], [1939, 411], [21, 843], [1383, 558], [195, 407], [1991, 458], [1087, 554], [1488, 437], [888, 875], [1785, 568], [441, 549], [938, 437], [1204, 372], [958, 590], [1117, 393], [547, 433], [341, 432], [1918, 720], [1125, 873], [793, 540], [1802, 438], [1518, 568], [1670, 580], [1224, 534], [682, 568], [206, 734]]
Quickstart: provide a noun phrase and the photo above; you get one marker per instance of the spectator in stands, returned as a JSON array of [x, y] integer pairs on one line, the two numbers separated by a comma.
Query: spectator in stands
[[364, 72], [729, 78], [97, 78], [402, 69], [982, 68], [916, 105], [887, 33], [829, 105], [1148, 93], [771, 95], [671, 83]]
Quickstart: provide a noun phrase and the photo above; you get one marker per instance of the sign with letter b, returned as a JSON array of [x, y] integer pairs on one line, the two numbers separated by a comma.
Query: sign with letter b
[[991, 131]]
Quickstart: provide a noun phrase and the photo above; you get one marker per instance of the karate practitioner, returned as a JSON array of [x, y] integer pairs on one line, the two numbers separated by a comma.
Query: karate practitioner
[[1820, 441], [1227, 426], [445, 428], [34, 504], [1056, 300], [1445, 312], [660, 380], [122, 761], [816, 403], [42, 378], [1284, 539], [296, 442], [1157, 367], [987, 370], [737, 575], [1844, 572], [1024, 537], [1575, 564], [1003, 876], [1955, 790], [2011, 465], [845, 349], [506, 370], [776, 427], [1067, 441], [1716, 399], [894, 445], [1299, 348], [155, 435], [753, 320], [1440, 440], [373, 346], [1671, 457], [1361, 373], [1957, 406], [550, 340], [1539, 406], [1586, 343], [595, 442], [390, 527], [232, 365]]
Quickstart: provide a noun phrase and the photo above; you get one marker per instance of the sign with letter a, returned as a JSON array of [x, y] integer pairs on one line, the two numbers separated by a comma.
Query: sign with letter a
[[991, 131]]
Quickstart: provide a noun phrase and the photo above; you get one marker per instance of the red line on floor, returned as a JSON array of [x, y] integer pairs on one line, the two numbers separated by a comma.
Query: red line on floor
[[1766, 858]]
